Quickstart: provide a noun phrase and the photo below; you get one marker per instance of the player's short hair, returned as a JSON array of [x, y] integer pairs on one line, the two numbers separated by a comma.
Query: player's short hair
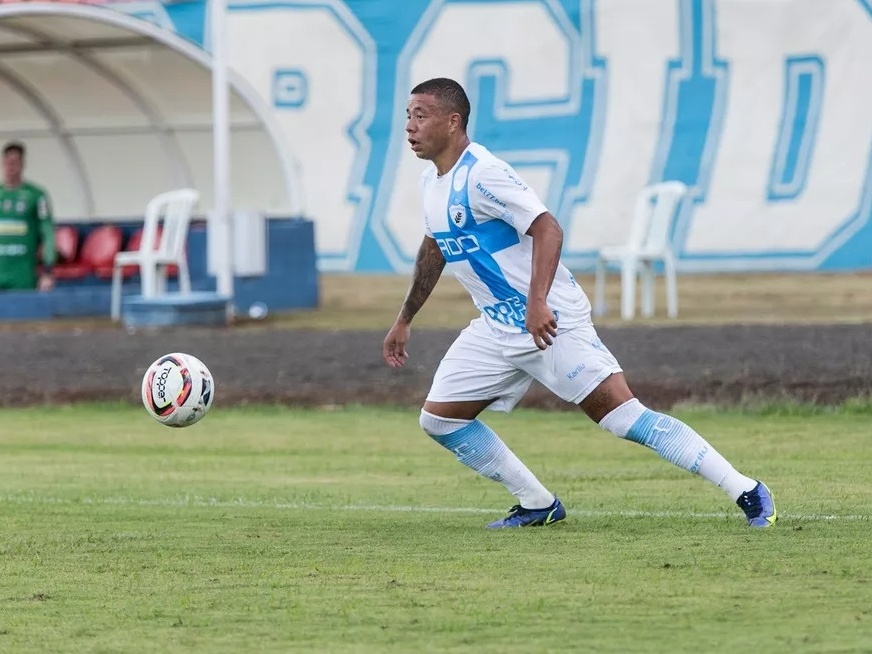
[[450, 95], [14, 146]]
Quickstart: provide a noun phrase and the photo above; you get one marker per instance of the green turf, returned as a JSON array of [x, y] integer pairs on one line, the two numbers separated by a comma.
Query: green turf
[[279, 530]]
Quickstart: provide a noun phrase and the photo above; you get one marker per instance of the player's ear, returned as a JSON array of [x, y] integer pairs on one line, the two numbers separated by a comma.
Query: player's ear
[[453, 122]]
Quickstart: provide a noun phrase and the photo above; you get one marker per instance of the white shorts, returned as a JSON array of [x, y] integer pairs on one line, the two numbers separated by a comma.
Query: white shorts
[[486, 363]]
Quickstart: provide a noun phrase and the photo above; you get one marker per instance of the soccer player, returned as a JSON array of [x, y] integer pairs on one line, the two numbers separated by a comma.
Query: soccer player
[[25, 224], [492, 231]]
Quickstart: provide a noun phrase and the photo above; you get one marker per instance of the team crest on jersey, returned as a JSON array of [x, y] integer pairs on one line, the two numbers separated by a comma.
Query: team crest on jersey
[[458, 214], [20, 206]]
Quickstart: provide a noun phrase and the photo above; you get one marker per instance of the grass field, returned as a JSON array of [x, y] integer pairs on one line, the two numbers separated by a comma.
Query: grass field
[[278, 530]]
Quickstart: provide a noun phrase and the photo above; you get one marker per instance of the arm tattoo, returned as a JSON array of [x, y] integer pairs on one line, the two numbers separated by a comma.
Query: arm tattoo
[[428, 267]]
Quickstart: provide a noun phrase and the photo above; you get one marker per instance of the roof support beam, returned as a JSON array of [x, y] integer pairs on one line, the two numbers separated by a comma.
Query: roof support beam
[[68, 146], [82, 45]]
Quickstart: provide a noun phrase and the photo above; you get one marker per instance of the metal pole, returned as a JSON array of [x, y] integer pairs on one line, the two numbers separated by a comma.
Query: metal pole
[[221, 148]]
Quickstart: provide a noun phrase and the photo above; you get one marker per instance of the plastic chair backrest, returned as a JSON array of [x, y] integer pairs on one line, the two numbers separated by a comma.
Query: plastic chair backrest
[[167, 217], [66, 243], [101, 245], [656, 207]]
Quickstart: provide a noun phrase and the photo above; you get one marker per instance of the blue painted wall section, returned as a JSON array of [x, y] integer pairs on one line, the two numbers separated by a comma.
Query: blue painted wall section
[[803, 98], [692, 109]]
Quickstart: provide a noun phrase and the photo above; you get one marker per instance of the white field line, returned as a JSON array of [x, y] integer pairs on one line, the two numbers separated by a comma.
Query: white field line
[[193, 501]]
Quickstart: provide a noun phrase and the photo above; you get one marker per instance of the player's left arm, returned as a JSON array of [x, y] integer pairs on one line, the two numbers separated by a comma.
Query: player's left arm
[[547, 238], [45, 220]]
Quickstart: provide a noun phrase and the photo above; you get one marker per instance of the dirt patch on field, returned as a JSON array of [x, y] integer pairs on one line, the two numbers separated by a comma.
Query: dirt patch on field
[[665, 365]]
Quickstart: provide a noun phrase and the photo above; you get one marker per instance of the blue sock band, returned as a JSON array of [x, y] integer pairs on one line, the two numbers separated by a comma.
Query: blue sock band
[[670, 438], [476, 446]]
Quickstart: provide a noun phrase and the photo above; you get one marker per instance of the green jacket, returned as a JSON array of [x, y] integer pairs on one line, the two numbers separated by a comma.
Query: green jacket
[[26, 223]]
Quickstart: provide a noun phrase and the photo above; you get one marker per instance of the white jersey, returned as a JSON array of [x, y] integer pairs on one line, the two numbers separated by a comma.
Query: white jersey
[[479, 213]]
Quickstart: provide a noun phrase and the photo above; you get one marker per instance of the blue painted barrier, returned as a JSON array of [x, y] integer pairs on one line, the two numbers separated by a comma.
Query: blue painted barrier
[[290, 282]]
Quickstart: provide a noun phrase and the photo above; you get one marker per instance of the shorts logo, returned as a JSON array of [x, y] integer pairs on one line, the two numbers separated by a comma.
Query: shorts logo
[[458, 214], [575, 371]]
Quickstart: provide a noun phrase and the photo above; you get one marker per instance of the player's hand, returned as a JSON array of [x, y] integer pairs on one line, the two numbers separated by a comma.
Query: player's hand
[[541, 324], [394, 346], [46, 282]]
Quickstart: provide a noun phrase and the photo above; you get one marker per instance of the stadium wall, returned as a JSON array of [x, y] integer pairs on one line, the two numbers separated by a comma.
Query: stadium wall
[[762, 107]]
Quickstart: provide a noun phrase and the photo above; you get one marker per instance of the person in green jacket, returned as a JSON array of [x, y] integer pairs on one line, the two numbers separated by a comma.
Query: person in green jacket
[[26, 223]]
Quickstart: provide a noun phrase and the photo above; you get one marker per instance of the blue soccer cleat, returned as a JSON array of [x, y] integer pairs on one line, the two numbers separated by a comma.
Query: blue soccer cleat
[[758, 505], [521, 517]]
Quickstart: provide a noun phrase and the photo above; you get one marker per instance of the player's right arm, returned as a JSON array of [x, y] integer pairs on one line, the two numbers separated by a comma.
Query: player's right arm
[[429, 264]]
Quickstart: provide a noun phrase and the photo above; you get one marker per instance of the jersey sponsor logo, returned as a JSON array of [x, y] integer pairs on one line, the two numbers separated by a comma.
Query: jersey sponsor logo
[[455, 248], [13, 250], [490, 196], [13, 227], [458, 214], [508, 312], [511, 175]]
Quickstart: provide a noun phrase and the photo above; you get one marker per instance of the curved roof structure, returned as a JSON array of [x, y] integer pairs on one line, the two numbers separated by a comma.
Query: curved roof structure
[[114, 110]]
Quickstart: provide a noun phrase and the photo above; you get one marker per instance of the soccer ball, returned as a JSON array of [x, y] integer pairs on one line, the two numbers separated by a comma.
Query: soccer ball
[[177, 390]]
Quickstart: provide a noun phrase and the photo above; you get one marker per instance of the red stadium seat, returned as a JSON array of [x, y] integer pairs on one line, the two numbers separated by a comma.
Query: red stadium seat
[[66, 243], [99, 250], [67, 246]]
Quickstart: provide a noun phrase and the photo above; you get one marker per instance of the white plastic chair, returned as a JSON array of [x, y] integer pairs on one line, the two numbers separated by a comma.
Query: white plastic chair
[[167, 217], [649, 243]]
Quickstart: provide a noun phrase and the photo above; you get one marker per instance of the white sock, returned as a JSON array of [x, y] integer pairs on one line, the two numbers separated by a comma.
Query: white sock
[[678, 443], [718, 470], [478, 447]]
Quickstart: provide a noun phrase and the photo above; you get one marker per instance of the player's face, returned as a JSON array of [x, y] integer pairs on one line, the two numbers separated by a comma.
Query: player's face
[[12, 167], [428, 126]]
